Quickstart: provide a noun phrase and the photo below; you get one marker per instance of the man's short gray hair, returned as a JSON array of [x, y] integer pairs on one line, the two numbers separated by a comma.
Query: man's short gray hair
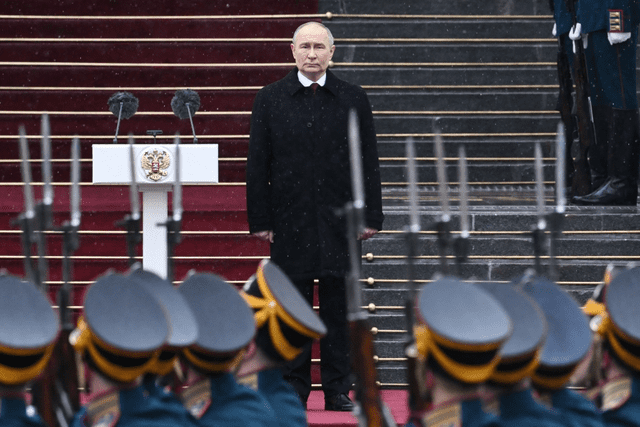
[[295, 34]]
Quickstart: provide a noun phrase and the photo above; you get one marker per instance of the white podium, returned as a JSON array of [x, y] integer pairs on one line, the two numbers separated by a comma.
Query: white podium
[[155, 172]]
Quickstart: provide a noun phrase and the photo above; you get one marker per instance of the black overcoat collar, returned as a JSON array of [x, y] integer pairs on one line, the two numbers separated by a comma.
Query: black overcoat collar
[[293, 84]]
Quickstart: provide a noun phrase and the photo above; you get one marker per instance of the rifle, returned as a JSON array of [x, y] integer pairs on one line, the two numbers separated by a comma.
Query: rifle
[[565, 105], [419, 398], [581, 184], [131, 222], [174, 222], [539, 229], [28, 217], [556, 217], [35, 222], [461, 243], [369, 409], [442, 225], [64, 364]]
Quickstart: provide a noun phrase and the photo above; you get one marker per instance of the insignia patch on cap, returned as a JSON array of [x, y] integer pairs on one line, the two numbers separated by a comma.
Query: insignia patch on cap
[[104, 411], [197, 398], [250, 381], [449, 416], [616, 393]]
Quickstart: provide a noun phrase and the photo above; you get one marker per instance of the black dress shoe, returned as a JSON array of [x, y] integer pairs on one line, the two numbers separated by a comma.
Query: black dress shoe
[[338, 402], [614, 192]]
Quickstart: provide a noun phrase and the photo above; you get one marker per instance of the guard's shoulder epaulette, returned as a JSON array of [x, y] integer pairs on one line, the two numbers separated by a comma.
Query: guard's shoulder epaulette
[[616, 393], [492, 406], [447, 416], [104, 411], [197, 398], [250, 381]]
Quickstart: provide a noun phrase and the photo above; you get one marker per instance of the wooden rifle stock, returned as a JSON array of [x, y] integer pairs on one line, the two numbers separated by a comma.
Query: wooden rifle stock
[[581, 184]]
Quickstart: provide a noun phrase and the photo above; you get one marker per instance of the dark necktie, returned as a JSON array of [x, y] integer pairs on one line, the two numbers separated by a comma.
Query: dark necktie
[[314, 86]]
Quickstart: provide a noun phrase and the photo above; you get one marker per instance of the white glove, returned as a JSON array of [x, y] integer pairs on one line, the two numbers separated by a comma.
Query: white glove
[[618, 37], [554, 31], [575, 34]]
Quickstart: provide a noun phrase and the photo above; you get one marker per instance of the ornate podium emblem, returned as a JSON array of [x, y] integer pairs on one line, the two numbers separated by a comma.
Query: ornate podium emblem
[[155, 164]]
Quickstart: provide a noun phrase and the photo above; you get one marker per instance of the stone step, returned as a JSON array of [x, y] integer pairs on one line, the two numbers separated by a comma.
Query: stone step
[[438, 52], [531, 74], [486, 172], [511, 123], [436, 7], [464, 100], [443, 27]]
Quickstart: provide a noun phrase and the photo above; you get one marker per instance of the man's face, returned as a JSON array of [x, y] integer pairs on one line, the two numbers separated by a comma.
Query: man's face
[[312, 51]]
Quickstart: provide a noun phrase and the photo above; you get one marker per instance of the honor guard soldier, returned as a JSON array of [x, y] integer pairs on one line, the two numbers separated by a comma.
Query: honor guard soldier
[[567, 344], [120, 338], [27, 337], [514, 401], [286, 324], [609, 30], [619, 325], [460, 330], [226, 327], [162, 376]]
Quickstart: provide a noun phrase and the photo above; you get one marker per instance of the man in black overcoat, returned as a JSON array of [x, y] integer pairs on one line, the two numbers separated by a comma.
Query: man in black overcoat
[[298, 178]]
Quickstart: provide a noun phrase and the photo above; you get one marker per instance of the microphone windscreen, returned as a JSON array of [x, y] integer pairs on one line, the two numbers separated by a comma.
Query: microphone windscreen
[[180, 100], [129, 104]]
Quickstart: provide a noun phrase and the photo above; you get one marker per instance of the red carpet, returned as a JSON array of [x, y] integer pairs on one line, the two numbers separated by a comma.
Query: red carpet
[[396, 400]]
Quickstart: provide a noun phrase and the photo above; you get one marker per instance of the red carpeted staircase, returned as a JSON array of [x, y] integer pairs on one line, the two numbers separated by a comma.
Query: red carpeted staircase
[[67, 58]]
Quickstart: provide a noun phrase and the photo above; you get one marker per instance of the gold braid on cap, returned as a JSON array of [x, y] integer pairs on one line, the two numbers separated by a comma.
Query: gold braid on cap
[[619, 341], [267, 310], [553, 380], [213, 364], [29, 363], [428, 343], [84, 340], [163, 365], [512, 376]]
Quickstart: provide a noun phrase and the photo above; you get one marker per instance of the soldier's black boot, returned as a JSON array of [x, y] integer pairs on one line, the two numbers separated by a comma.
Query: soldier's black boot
[[598, 154], [621, 186]]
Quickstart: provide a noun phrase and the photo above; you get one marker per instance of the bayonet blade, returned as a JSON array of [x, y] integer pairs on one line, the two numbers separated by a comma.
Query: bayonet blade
[[75, 183], [45, 147], [177, 186], [442, 178], [540, 201], [134, 198], [29, 204], [357, 185], [464, 192], [561, 200], [414, 220]]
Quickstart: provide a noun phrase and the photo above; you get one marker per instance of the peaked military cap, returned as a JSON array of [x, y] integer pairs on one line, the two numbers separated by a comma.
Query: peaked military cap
[[28, 333], [568, 338], [123, 328], [519, 356], [620, 324], [286, 322], [225, 322], [462, 327], [183, 329]]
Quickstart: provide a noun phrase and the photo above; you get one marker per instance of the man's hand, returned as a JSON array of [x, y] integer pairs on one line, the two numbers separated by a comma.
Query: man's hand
[[368, 232], [575, 34], [264, 235]]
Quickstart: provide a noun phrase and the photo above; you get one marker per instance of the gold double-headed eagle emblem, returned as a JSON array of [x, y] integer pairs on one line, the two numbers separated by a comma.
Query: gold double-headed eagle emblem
[[155, 164]]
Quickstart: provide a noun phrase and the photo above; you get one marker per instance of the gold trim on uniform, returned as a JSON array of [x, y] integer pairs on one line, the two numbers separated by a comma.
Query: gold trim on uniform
[[615, 21], [197, 398], [104, 411], [514, 376], [250, 381], [211, 366], [449, 416], [616, 393]]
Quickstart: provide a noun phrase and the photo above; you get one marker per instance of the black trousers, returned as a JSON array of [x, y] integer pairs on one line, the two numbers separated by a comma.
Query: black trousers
[[335, 367]]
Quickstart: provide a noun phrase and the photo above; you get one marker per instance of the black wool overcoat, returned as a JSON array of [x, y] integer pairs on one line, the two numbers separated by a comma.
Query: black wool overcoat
[[299, 174]]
